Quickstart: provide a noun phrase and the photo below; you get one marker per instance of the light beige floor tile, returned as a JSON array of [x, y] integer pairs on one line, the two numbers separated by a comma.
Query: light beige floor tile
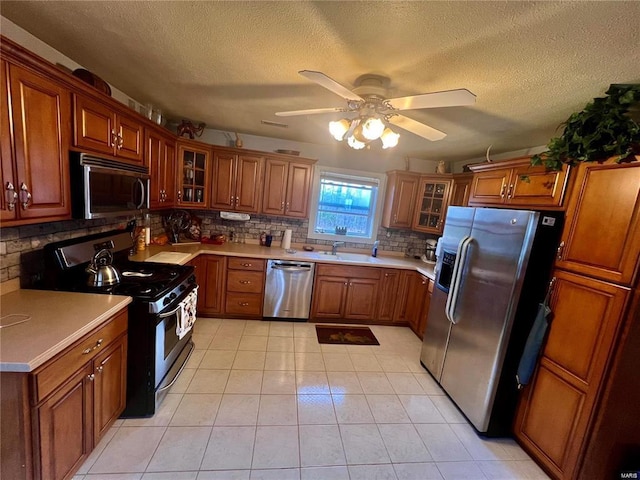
[[324, 473], [202, 341], [280, 361], [479, 448], [278, 410], [218, 359], [225, 342], [316, 410], [344, 383], [512, 449], [254, 343], [501, 470], [312, 383], [93, 456], [238, 410], [309, 361], [279, 382], [195, 359], [392, 363], [337, 362], [180, 449], [197, 409], [365, 363], [442, 443], [368, 472], [375, 383], [333, 348], [428, 384], [207, 325], [112, 476], [352, 409], [208, 381], [232, 326], [417, 471], [276, 447], [244, 381], [163, 414], [281, 329], [304, 330], [224, 475], [421, 409], [170, 476], [531, 470], [280, 344], [321, 445], [256, 327], [249, 361], [229, 448], [363, 444], [448, 409], [387, 409], [276, 474], [460, 471], [404, 383], [403, 443], [306, 344], [129, 450], [183, 381]]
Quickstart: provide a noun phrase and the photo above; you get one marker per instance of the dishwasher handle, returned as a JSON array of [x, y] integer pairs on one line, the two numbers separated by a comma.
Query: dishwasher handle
[[291, 268]]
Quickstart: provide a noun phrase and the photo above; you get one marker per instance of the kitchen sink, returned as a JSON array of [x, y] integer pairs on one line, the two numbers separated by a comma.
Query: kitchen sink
[[350, 257]]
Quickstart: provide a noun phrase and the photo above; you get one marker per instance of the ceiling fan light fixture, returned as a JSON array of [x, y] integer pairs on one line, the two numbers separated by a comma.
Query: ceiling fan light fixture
[[389, 138], [358, 134], [355, 144], [372, 128], [339, 128]]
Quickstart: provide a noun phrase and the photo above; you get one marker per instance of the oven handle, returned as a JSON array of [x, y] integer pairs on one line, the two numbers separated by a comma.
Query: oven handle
[[183, 296], [191, 344], [172, 312]]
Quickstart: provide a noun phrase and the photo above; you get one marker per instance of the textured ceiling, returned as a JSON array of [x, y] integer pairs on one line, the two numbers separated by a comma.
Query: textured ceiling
[[233, 64]]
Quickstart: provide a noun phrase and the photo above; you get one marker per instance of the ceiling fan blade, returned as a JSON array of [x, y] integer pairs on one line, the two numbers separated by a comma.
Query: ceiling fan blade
[[448, 98], [418, 128], [330, 84], [312, 111]]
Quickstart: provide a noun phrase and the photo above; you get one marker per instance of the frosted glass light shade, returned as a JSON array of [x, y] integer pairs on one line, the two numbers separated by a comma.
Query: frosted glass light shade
[[372, 128], [389, 138], [339, 128], [355, 144]]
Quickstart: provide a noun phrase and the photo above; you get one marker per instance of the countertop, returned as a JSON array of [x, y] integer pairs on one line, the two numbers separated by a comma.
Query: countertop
[[318, 256], [55, 321]]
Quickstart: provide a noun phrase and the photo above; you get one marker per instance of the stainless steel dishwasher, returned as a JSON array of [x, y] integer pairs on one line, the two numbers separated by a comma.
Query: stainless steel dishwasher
[[287, 292]]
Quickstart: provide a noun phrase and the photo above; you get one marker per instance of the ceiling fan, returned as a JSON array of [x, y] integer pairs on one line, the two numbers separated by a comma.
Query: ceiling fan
[[368, 100]]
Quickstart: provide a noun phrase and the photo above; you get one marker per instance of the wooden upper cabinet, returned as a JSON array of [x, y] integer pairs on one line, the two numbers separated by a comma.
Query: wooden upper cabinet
[[160, 151], [400, 199], [100, 129], [237, 181], [194, 172], [432, 203], [461, 189], [601, 237], [286, 188], [35, 147], [515, 183]]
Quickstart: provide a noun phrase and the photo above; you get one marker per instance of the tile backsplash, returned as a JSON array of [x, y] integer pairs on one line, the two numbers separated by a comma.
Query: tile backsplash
[[21, 247]]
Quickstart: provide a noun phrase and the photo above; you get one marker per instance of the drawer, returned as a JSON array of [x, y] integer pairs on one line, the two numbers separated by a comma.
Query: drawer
[[48, 377], [349, 272], [245, 282], [246, 304], [240, 263]]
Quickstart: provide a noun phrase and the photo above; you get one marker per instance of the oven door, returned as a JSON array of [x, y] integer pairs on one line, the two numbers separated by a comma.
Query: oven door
[[173, 340]]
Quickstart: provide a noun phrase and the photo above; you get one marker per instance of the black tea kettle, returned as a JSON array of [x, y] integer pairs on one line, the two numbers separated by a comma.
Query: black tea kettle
[[101, 272]]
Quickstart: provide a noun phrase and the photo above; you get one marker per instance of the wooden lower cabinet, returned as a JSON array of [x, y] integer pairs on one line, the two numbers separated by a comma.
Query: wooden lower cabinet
[[413, 304], [388, 295], [210, 275], [244, 287], [346, 293], [58, 413], [558, 407]]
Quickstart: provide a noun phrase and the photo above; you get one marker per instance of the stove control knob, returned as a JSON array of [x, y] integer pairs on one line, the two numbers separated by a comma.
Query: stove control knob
[[192, 279], [173, 295], [166, 301], [182, 288]]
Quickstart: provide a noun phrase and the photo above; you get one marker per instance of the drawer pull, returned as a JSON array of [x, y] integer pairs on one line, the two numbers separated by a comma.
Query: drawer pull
[[245, 282], [91, 377], [99, 369], [246, 264], [98, 344], [243, 304]]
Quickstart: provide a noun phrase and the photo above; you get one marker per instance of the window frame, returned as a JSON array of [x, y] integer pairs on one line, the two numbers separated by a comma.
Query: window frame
[[355, 175]]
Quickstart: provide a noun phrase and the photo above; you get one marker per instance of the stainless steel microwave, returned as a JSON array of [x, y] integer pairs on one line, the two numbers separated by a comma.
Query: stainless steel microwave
[[105, 188]]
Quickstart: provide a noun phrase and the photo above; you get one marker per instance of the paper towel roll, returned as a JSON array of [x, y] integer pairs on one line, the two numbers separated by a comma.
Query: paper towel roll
[[286, 239]]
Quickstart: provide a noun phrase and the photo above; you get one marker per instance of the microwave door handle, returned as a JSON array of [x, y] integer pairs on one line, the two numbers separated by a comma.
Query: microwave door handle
[[142, 197]]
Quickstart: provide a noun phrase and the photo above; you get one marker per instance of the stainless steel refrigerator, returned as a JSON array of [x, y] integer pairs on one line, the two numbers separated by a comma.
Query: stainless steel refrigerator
[[492, 271]]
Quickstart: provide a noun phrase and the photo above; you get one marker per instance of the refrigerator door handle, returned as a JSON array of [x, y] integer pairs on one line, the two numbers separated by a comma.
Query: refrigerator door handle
[[458, 268]]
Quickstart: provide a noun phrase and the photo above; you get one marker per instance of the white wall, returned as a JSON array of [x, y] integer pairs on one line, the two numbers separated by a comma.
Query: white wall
[[456, 167]]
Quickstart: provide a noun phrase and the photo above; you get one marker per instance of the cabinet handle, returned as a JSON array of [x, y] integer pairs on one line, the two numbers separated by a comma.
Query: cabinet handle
[[346, 283], [91, 377], [502, 190], [351, 284], [243, 304], [11, 196], [245, 282], [282, 204], [424, 282], [246, 264], [120, 142], [510, 192], [114, 138], [97, 345], [395, 218], [179, 195], [560, 250], [25, 196], [386, 275], [99, 369], [287, 207]]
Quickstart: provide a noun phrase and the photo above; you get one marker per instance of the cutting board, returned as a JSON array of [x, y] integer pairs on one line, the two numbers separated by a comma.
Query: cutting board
[[169, 257]]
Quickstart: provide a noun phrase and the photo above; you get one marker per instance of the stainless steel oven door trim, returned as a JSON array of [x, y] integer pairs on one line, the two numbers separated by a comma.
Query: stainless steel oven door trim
[[169, 383]]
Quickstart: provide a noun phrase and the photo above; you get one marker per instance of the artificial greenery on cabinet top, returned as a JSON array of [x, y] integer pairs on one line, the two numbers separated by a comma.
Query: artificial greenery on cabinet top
[[604, 129]]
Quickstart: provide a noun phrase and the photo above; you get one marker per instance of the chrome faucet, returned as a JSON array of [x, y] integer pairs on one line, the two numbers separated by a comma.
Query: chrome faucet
[[334, 248]]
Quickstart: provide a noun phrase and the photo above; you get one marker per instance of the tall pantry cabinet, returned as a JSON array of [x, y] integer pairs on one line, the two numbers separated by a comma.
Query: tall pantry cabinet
[[571, 417]]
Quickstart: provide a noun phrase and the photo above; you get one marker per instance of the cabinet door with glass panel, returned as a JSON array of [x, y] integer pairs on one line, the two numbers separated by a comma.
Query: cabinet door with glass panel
[[193, 174], [431, 207]]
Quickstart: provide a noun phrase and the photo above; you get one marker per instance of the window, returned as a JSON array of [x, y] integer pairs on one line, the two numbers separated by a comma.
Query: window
[[345, 206]]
